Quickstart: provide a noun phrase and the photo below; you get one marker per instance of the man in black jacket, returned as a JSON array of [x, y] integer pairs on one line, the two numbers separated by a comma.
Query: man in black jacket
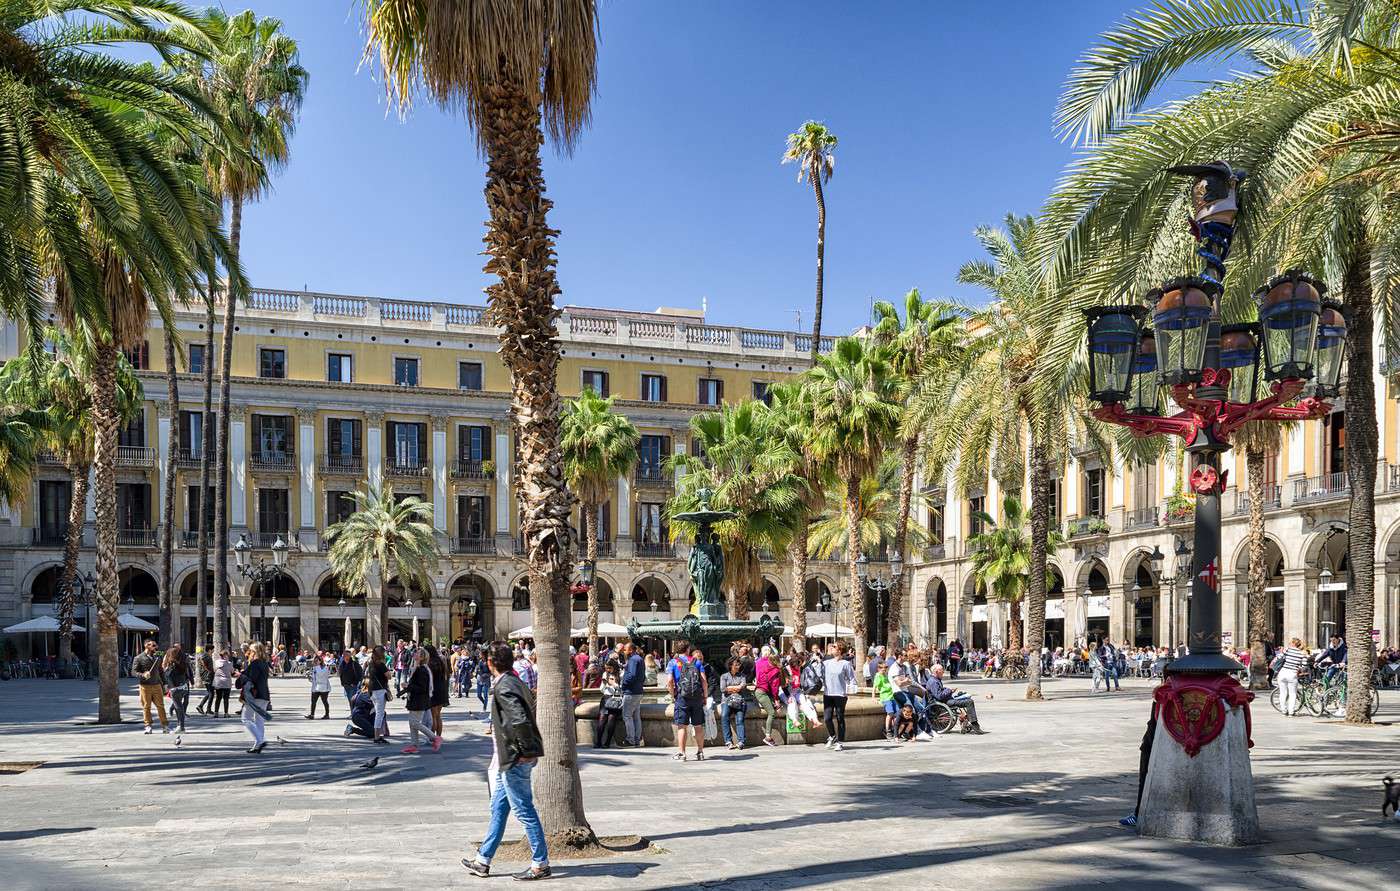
[[517, 743], [350, 674]]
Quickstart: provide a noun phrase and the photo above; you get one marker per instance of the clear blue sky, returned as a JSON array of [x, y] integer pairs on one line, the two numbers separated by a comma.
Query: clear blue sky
[[675, 192]]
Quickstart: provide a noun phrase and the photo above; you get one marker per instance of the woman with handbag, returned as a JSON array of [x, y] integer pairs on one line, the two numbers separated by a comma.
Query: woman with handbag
[[419, 691], [733, 703], [609, 708], [223, 682], [438, 666], [178, 675]]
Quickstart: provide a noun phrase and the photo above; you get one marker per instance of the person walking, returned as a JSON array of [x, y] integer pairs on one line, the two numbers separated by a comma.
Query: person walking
[[838, 684], [402, 667], [351, 674], [378, 676], [320, 677], [441, 690], [179, 674], [1108, 658], [1291, 660], [223, 682], [481, 671], [151, 682], [252, 682], [515, 747], [633, 681], [419, 692], [685, 677], [768, 691], [734, 704], [955, 655], [204, 676]]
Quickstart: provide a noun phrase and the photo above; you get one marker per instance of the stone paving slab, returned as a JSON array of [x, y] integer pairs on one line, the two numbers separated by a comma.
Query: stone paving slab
[[114, 808]]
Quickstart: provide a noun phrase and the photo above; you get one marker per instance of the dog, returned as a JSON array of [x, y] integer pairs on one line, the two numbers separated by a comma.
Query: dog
[[1392, 798]]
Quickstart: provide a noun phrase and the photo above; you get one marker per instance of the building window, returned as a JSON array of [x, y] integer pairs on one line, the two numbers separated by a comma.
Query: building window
[[272, 511], [761, 392], [976, 505], [133, 506], [474, 443], [1054, 496], [469, 375], [408, 444], [653, 388], [405, 371], [194, 358], [1093, 492], [192, 434], [651, 523], [604, 525], [935, 525], [1144, 486], [139, 356], [651, 456], [339, 507], [134, 433], [272, 363], [339, 368], [192, 502], [272, 436], [711, 391], [472, 514], [343, 437], [597, 381], [55, 499]]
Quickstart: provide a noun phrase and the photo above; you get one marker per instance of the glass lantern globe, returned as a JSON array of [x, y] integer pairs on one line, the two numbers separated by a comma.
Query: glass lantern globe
[[1146, 398], [1331, 349], [1289, 305], [1239, 354], [1181, 312], [1114, 332]]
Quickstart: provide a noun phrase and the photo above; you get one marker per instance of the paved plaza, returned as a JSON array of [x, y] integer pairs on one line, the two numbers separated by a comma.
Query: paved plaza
[[1034, 804]]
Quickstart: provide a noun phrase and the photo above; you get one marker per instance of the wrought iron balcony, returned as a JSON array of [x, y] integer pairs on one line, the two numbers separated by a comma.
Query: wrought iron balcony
[[136, 456], [1273, 499], [652, 475], [136, 538], [474, 544], [49, 538], [48, 458], [186, 456], [265, 540], [1318, 489], [273, 459], [189, 538], [655, 549], [1142, 518], [935, 551], [1083, 527], [341, 465], [409, 467], [468, 469], [1393, 478]]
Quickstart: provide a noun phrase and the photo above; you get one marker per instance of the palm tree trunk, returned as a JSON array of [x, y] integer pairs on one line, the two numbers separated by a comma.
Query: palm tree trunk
[[1362, 444], [1035, 587], [169, 600], [104, 410], [857, 588], [590, 529], [520, 249], [815, 173], [221, 468], [72, 543], [206, 450], [1257, 606], [797, 552], [1013, 625], [908, 449]]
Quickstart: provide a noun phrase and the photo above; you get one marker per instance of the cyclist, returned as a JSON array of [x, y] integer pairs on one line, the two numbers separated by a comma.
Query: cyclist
[[1289, 662], [1334, 658], [955, 698]]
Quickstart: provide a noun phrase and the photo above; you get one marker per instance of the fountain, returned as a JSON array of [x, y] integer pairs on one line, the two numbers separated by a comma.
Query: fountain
[[709, 627]]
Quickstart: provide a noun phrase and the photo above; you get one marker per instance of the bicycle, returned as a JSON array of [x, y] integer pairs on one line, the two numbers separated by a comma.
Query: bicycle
[[1334, 703], [1310, 696]]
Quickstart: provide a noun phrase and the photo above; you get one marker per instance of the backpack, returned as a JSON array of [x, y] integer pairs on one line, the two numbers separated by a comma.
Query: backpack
[[812, 678], [688, 686]]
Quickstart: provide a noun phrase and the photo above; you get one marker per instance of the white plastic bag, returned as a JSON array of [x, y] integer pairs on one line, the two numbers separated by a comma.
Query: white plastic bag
[[793, 710], [711, 726], [809, 710]]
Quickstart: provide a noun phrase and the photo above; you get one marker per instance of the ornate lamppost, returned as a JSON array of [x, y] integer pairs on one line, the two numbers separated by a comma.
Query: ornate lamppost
[[1199, 785], [260, 573], [880, 586]]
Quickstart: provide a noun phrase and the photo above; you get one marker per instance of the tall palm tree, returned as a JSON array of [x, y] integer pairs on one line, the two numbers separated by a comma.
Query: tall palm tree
[[793, 410], [169, 599], [1008, 411], [386, 536], [599, 446], [516, 71], [1001, 562], [1306, 121], [1258, 439], [924, 344], [747, 468], [879, 515], [255, 83], [857, 413], [812, 150]]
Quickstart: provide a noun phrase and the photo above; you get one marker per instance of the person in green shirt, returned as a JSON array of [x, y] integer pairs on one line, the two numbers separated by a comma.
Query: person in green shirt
[[884, 691]]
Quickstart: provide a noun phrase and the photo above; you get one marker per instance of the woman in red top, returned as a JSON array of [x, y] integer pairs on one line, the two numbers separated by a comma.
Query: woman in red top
[[768, 690]]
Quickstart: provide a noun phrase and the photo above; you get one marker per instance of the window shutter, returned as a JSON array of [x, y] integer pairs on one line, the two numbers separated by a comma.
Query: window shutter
[[663, 388], [422, 443], [184, 430], [257, 431], [356, 426], [719, 392], [605, 392], [485, 443], [333, 435]]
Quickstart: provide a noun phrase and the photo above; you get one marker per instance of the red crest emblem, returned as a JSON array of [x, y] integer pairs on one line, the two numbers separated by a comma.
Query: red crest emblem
[[1193, 709], [1210, 576]]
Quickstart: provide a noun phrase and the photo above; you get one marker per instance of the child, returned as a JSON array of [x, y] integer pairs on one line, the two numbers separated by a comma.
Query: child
[[905, 729], [884, 691]]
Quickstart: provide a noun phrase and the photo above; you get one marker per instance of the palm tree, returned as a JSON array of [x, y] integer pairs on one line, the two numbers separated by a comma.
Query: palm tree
[[1008, 411], [169, 599], [1258, 439], [386, 536], [748, 468], [1001, 562], [879, 516], [1307, 123], [811, 149], [857, 413], [925, 344], [599, 446], [255, 83], [793, 408], [515, 70]]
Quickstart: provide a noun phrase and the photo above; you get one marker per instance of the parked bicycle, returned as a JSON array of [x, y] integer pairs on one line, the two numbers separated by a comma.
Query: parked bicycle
[[1334, 702], [1310, 695]]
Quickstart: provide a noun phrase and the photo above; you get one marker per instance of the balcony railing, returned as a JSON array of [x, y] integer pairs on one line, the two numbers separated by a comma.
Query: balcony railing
[[189, 538], [1082, 527], [136, 538], [49, 538], [48, 458], [265, 540], [467, 469], [1393, 478], [479, 544], [1315, 489], [188, 457], [412, 467], [273, 459], [655, 549], [341, 465], [136, 456], [935, 551], [1142, 518], [652, 475], [1273, 499]]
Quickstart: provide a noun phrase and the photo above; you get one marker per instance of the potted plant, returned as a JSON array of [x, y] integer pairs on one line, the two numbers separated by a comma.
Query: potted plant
[[488, 467], [1181, 507]]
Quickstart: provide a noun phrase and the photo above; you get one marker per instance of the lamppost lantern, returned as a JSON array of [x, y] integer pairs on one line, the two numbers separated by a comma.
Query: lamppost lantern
[[1239, 354], [1114, 336], [896, 566], [585, 572], [240, 552], [1181, 312], [1325, 576], [862, 567], [471, 607], [1331, 349], [655, 607], [1156, 558], [1289, 306], [824, 600], [272, 601], [1146, 395], [1137, 590], [279, 552]]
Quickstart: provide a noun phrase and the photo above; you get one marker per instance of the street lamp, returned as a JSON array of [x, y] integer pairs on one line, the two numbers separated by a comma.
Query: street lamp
[[1213, 371], [879, 585], [259, 573]]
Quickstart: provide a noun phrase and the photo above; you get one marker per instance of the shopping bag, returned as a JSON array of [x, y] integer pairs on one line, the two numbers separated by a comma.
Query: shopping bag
[[711, 725], [809, 710], [796, 721]]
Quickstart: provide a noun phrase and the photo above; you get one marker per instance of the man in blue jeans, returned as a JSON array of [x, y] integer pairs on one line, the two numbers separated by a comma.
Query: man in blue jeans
[[517, 746], [1108, 658]]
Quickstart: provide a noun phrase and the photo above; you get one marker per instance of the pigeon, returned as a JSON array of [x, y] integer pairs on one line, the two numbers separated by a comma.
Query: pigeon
[[281, 741], [371, 764], [177, 742]]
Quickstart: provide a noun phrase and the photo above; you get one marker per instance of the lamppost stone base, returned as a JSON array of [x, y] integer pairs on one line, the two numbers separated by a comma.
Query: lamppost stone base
[[1208, 798]]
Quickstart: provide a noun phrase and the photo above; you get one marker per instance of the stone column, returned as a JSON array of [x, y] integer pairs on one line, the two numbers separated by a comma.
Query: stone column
[[240, 605], [163, 458], [440, 474], [624, 543], [374, 448], [238, 468], [440, 623], [1120, 604], [1297, 613], [503, 499], [310, 617], [306, 436]]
